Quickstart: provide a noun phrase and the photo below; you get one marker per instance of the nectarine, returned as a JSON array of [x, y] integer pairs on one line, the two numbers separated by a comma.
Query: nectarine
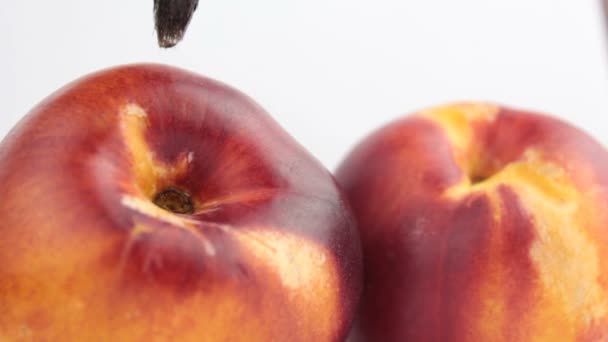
[[481, 223], [146, 203]]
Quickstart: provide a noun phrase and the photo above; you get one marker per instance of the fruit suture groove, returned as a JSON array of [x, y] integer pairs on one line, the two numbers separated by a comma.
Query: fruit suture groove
[[458, 122], [149, 172]]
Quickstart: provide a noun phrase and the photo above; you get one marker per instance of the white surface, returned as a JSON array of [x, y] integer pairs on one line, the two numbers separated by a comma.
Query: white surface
[[329, 71]]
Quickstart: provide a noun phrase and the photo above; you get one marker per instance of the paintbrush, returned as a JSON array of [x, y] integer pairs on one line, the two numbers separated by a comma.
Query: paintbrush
[[171, 19]]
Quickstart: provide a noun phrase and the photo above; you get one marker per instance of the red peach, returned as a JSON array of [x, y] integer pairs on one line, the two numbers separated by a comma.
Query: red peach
[[481, 223], [146, 203]]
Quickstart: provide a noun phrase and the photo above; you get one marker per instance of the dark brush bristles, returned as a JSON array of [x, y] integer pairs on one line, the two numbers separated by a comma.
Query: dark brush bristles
[[171, 18]]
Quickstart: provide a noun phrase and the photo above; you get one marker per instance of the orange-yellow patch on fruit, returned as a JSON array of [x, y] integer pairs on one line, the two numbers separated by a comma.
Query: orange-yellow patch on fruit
[[458, 119], [140, 229], [568, 296], [566, 257], [303, 267], [57, 281], [133, 124], [492, 318]]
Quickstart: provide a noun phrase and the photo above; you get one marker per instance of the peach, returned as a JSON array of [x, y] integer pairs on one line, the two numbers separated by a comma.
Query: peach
[[146, 203], [481, 223]]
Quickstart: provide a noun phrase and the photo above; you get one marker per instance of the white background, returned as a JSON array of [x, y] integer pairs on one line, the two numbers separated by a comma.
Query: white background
[[329, 71]]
